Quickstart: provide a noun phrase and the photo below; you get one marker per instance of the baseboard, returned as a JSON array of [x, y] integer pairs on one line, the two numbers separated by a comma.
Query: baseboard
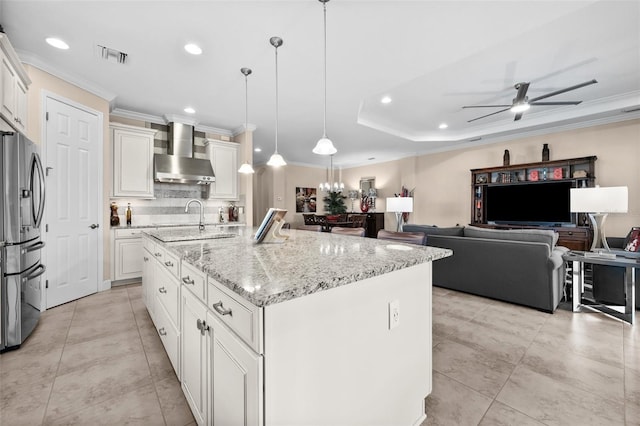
[[106, 285]]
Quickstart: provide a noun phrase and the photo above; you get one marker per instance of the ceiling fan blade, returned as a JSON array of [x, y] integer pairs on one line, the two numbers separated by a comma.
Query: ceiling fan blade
[[486, 106], [556, 103], [522, 92], [493, 113], [517, 117], [568, 89]]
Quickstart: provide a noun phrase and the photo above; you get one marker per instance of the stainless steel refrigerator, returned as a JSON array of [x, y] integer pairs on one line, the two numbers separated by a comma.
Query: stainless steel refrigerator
[[22, 207]]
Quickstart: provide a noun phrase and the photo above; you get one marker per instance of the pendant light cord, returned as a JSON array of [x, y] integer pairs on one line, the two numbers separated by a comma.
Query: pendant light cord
[[276, 99], [246, 107], [324, 125]]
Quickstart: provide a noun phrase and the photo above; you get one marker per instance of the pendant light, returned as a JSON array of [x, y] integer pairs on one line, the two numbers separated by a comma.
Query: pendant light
[[324, 145], [276, 159], [246, 166]]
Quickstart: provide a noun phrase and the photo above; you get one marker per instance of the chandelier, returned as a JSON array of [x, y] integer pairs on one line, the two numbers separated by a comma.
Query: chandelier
[[330, 185]]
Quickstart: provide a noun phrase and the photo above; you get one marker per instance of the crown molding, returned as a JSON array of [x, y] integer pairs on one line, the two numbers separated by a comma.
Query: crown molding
[[133, 115], [240, 130], [33, 60]]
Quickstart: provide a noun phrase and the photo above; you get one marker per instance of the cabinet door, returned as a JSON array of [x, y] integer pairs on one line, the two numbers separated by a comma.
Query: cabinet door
[[194, 355], [128, 258], [8, 95], [224, 158], [132, 162], [235, 396], [147, 281], [21, 106]]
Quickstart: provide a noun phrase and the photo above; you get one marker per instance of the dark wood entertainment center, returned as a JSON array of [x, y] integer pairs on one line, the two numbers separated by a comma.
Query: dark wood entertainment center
[[580, 172]]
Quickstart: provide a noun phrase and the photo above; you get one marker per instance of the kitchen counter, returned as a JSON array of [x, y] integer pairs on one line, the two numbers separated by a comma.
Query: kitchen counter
[[272, 347], [174, 224], [308, 262]]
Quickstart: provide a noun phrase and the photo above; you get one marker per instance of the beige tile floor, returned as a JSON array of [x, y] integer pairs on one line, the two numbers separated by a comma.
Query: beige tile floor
[[95, 361], [99, 361], [499, 364]]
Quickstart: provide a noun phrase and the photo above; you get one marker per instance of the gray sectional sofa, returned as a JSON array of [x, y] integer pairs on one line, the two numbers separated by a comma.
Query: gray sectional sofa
[[518, 266]]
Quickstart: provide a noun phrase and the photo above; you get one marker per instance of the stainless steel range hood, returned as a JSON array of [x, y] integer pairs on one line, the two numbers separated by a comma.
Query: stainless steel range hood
[[178, 165]]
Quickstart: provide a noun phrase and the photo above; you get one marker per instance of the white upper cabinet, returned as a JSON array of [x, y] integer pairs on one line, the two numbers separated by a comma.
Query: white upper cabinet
[[132, 161], [14, 83], [224, 158]]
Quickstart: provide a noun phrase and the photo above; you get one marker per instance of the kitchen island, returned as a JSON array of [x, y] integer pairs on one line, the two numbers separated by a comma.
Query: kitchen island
[[320, 329]]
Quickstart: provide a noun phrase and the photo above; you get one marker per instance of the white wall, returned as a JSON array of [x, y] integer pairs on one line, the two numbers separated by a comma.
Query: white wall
[[442, 181]]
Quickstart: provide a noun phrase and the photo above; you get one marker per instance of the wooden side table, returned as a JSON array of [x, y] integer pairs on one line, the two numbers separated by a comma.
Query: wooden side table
[[580, 258]]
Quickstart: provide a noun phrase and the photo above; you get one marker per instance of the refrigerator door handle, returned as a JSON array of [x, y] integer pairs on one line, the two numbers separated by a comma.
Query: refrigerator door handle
[[41, 269], [33, 247], [36, 167]]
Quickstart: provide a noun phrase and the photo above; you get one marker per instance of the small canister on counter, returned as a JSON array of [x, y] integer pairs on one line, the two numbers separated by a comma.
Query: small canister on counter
[[115, 219]]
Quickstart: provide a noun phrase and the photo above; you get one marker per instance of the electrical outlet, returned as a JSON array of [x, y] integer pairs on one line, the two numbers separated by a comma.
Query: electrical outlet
[[394, 314]]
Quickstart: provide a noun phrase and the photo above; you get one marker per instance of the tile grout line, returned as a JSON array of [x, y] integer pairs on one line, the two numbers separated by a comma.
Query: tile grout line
[[153, 381], [495, 399], [55, 377]]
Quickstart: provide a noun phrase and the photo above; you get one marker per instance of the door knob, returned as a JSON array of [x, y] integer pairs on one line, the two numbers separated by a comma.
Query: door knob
[[94, 225]]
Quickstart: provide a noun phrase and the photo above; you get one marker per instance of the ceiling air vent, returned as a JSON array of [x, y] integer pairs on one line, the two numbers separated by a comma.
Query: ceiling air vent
[[111, 55]]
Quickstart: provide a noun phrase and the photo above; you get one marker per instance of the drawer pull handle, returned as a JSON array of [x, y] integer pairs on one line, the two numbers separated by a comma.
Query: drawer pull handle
[[146, 259], [157, 254], [219, 309], [188, 280], [202, 326], [169, 264], [162, 290], [162, 332]]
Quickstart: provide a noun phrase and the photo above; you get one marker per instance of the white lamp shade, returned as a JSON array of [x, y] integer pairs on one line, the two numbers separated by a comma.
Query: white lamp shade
[[276, 160], [325, 147], [400, 204], [246, 169], [614, 199]]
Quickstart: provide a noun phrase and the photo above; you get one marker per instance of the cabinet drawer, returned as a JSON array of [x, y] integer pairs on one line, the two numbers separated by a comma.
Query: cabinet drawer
[[148, 244], [169, 336], [168, 293], [129, 233], [158, 253], [171, 262], [194, 280], [240, 316]]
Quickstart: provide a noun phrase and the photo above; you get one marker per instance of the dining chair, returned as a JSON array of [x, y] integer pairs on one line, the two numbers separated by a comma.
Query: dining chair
[[316, 228], [359, 232], [358, 220]]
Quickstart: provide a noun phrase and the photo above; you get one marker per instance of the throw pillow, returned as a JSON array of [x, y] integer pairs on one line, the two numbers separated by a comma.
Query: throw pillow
[[632, 243]]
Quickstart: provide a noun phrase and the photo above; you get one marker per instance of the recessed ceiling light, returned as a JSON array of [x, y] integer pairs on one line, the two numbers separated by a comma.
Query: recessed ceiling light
[[385, 100], [56, 42], [257, 149], [189, 110], [443, 126], [194, 49]]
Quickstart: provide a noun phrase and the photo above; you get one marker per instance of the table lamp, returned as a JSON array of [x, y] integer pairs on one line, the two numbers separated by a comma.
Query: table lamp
[[399, 205], [598, 202]]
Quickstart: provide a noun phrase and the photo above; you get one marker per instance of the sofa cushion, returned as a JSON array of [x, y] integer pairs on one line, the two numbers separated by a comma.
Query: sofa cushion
[[546, 236], [455, 231]]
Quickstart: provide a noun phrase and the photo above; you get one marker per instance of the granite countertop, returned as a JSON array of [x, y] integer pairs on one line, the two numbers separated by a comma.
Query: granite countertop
[[171, 225], [306, 263]]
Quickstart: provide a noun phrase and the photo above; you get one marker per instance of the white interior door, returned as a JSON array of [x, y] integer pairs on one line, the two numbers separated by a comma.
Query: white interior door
[[73, 152]]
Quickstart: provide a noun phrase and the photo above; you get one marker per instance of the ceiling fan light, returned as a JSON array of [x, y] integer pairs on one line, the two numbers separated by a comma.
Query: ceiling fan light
[[324, 147], [276, 160], [520, 107], [246, 169]]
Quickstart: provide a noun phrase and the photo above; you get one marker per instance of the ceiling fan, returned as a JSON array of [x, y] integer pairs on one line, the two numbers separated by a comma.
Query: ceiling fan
[[521, 102]]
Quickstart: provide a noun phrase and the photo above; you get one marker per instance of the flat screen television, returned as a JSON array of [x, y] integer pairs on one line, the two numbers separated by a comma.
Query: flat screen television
[[540, 203]]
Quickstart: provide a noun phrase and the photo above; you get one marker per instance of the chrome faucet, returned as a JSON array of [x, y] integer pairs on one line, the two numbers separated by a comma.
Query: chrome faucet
[[186, 210]]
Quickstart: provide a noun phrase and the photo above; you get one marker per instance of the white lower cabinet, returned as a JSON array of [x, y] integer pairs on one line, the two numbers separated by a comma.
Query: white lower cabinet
[[235, 388], [127, 253], [194, 355], [148, 295]]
